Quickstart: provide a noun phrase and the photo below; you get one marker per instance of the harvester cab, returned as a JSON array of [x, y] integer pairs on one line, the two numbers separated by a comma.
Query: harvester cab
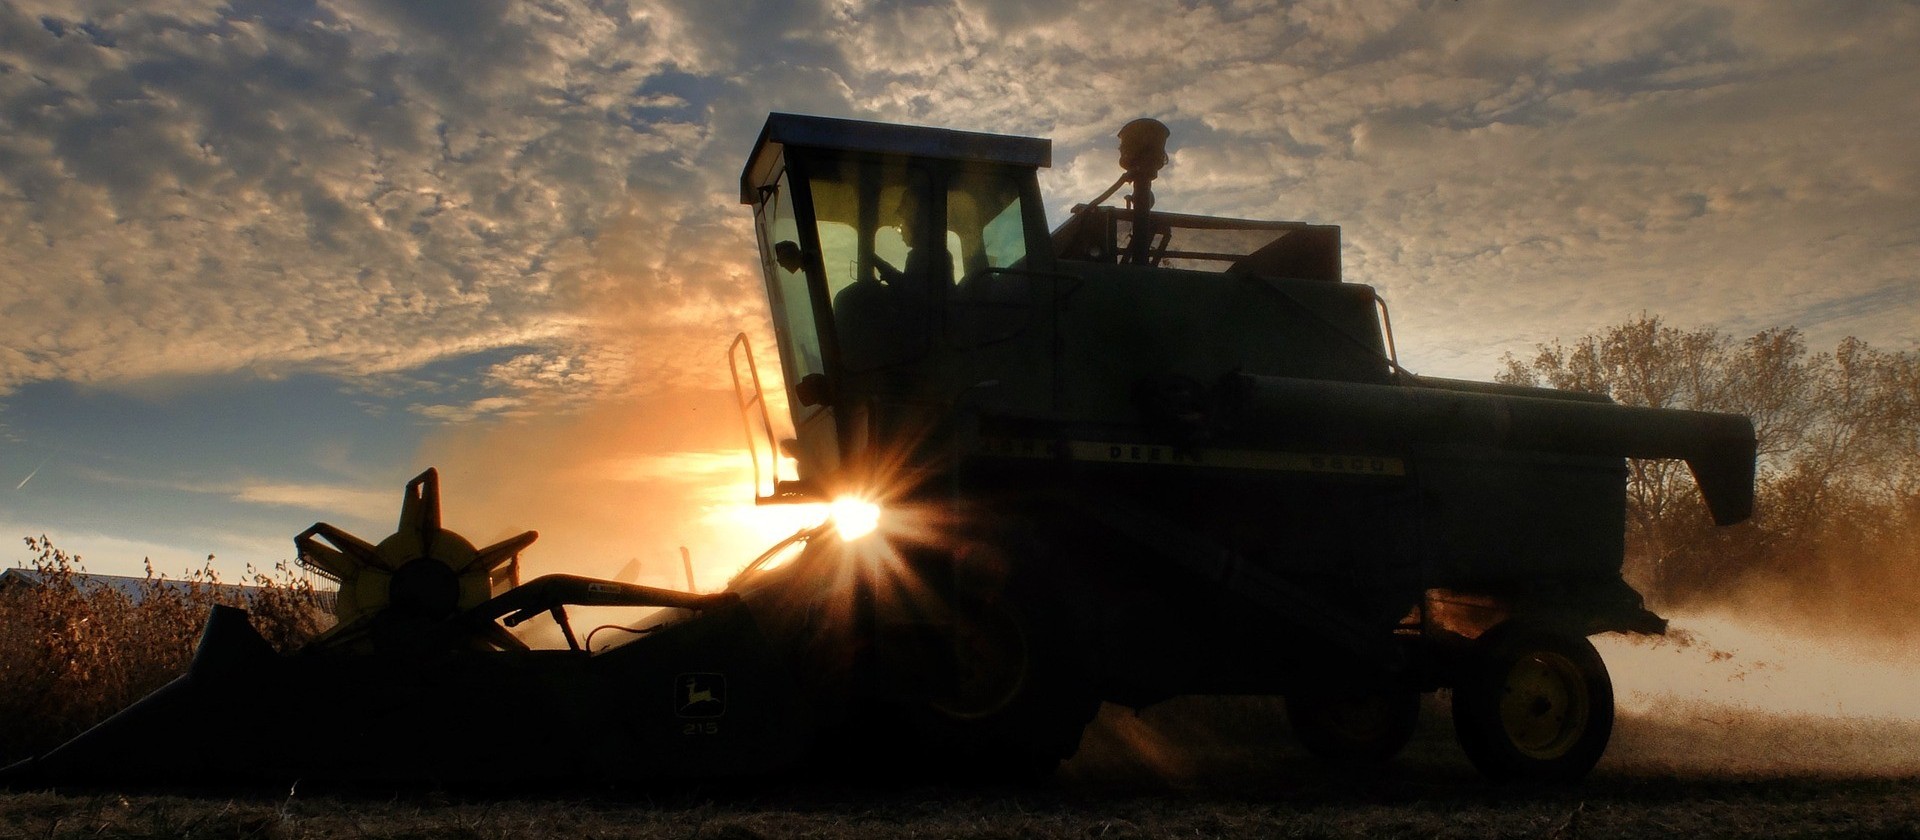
[[875, 242], [911, 276]]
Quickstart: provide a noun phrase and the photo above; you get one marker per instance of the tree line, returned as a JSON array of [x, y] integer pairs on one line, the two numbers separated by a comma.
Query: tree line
[[1837, 509]]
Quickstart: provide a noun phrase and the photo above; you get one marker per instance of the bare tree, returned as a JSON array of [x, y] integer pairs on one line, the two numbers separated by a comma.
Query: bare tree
[[1839, 444]]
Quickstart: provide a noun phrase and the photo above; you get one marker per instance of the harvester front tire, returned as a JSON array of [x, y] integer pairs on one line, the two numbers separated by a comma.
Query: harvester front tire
[[1027, 713], [1354, 728], [1533, 704]]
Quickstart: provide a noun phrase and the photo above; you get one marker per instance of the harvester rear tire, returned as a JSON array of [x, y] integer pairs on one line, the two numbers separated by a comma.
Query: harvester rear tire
[[1354, 728], [1533, 704]]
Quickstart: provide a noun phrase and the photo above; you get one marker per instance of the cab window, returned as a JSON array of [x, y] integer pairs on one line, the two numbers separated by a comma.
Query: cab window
[[780, 251], [986, 224]]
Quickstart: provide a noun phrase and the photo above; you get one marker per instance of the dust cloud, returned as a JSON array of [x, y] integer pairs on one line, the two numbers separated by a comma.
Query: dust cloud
[[1728, 693], [1806, 661], [1725, 695]]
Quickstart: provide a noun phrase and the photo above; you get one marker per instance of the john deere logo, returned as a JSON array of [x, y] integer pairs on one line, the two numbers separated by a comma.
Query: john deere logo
[[700, 695]]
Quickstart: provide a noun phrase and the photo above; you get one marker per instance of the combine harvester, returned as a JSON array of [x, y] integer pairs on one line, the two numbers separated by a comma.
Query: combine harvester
[[1142, 456]]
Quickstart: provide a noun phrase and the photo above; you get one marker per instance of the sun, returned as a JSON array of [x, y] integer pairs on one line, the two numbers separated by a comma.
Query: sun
[[854, 517]]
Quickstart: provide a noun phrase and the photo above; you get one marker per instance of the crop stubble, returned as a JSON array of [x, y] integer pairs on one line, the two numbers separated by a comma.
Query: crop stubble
[[1191, 768]]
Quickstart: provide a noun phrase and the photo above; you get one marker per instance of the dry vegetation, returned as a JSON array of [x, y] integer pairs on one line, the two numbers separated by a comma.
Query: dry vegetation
[[73, 651]]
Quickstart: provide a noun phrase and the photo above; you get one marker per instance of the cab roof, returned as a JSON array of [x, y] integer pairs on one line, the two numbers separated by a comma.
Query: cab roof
[[860, 136]]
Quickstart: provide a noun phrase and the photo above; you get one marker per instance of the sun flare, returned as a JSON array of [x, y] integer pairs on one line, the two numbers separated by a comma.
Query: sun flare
[[854, 517]]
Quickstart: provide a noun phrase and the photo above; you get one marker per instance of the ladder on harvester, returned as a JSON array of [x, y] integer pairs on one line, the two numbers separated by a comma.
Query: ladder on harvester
[[750, 399]]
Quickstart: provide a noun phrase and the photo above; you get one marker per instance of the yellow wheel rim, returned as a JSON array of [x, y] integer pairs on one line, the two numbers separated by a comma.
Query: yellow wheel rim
[[1544, 706]]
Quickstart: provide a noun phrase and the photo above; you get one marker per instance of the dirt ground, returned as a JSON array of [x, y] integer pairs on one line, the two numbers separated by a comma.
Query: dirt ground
[[1191, 768]]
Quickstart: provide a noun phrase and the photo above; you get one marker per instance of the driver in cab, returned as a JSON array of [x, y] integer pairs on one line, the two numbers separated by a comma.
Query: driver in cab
[[891, 318]]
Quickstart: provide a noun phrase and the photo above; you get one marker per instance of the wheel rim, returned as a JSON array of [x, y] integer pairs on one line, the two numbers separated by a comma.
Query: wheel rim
[[990, 651], [1544, 706]]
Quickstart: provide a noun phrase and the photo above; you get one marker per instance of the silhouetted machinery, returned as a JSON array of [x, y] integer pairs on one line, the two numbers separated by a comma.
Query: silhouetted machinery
[[1144, 455]]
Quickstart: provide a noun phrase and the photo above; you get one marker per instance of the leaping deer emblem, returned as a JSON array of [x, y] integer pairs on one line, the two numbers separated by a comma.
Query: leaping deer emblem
[[702, 695]]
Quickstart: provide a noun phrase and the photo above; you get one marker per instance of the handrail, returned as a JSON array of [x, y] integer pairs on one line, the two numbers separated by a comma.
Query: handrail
[[1392, 361], [745, 403], [1386, 324]]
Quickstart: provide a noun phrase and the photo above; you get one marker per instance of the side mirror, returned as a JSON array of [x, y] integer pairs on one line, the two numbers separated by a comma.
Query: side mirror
[[813, 389]]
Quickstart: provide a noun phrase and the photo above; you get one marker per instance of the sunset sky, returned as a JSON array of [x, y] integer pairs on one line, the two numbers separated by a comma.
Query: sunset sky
[[261, 262]]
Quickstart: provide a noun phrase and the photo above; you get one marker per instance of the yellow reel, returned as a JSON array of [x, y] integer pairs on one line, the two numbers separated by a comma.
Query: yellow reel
[[421, 571]]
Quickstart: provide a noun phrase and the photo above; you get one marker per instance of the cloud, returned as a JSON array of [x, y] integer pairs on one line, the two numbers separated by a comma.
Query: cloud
[[347, 501], [341, 499], [469, 411], [366, 188], [696, 465], [116, 554]]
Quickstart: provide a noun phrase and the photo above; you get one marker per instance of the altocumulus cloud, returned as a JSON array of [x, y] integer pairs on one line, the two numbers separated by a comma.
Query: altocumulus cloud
[[350, 188], [362, 189]]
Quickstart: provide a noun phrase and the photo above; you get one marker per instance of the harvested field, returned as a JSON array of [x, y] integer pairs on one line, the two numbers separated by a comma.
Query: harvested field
[[1190, 768]]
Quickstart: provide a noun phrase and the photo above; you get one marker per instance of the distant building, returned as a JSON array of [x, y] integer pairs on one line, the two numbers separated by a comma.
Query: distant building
[[136, 588]]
